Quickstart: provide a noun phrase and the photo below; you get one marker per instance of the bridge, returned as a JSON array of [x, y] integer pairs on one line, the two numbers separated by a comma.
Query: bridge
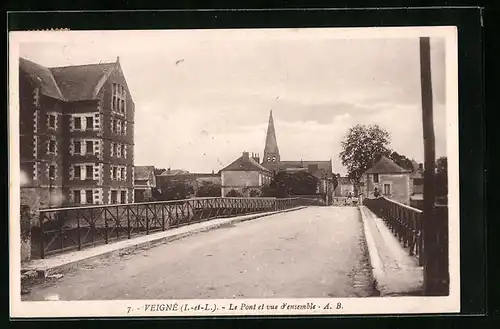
[[262, 247]]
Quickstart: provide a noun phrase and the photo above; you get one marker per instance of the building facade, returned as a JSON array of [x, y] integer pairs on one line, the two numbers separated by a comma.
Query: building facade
[[244, 175], [387, 179], [345, 187], [144, 183], [76, 133]]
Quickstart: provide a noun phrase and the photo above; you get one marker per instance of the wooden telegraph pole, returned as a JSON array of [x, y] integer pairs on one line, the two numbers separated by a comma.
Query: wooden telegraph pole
[[433, 271]]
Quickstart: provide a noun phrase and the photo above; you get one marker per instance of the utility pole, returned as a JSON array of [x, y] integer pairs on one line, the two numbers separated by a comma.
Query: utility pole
[[433, 271]]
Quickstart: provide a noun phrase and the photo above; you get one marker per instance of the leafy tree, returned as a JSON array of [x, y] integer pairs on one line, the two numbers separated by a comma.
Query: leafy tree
[[361, 147], [208, 189], [401, 160], [173, 190], [335, 181], [234, 194], [441, 179], [285, 184]]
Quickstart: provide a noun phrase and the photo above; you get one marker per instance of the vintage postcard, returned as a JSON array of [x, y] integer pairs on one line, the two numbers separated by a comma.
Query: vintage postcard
[[234, 172]]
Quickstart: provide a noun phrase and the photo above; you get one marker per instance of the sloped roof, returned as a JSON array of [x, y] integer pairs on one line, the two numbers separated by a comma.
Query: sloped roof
[[70, 83], [324, 167], [245, 163], [144, 173], [41, 77], [385, 166], [174, 172], [79, 82]]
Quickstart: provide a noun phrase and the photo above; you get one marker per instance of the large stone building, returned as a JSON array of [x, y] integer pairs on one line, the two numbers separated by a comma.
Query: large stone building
[[320, 169], [389, 179], [76, 133]]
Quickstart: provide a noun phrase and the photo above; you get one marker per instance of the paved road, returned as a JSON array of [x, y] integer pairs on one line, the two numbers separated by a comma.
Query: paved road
[[313, 252]]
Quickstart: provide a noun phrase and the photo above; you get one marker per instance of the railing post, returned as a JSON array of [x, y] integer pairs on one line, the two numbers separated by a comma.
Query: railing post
[[128, 222], [42, 236], [147, 221], [78, 230], [106, 228]]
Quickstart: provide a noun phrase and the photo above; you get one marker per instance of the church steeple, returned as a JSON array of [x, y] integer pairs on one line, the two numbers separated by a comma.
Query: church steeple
[[271, 151]]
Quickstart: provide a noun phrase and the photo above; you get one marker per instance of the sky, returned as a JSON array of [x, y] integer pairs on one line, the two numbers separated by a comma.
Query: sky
[[203, 96]]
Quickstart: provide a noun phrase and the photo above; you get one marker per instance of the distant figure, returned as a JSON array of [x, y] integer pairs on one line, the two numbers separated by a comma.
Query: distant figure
[[376, 193]]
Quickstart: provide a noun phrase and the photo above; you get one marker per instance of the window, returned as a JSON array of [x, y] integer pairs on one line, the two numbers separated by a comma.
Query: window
[[77, 197], [118, 99], [77, 172], [375, 178], [77, 123], [52, 146], [89, 147], [88, 197], [112, 124], [78, 147], [122, 173], [387, 189], [52, 171], [90, 123], [124, 151], [118, 151], [89, 172], [118, 127], [123, 196], [114, 196], [52, 121], [115, 173]]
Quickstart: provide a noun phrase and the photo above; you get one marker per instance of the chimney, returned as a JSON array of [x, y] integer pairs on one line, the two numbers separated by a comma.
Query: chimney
[[118, 59], [245, 156], [256, 157]]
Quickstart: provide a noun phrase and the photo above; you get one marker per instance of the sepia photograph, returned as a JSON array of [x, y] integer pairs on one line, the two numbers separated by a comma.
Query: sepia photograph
[[234, 172]]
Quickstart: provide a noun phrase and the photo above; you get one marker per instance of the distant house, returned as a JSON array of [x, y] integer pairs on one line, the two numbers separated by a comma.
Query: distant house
[[389, 179], [243, 175], [144, 183], [417, 185], [345, 187]]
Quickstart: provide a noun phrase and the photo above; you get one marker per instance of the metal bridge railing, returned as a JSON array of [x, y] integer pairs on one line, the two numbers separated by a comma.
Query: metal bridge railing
[[65, 229], [405, 223]]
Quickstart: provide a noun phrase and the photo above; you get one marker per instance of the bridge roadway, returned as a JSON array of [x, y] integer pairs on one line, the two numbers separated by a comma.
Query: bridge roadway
[[312, 252]]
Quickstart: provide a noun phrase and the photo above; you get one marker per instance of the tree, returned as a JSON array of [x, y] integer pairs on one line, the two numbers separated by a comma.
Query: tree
[[208, 189], [234, 194], [441, 179], [361, 147], [173, 190], [401, 160], [285, 184]]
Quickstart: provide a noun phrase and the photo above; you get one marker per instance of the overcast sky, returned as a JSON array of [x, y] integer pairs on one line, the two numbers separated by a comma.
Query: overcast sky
[[202, 112]]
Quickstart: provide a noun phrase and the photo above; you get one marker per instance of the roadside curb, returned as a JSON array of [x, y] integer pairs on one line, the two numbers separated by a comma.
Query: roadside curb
[[392, 272], [375, 261], [44, 270]]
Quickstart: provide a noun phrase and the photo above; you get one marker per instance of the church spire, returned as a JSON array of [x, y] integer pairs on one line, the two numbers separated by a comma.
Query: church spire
[[271, 151]]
